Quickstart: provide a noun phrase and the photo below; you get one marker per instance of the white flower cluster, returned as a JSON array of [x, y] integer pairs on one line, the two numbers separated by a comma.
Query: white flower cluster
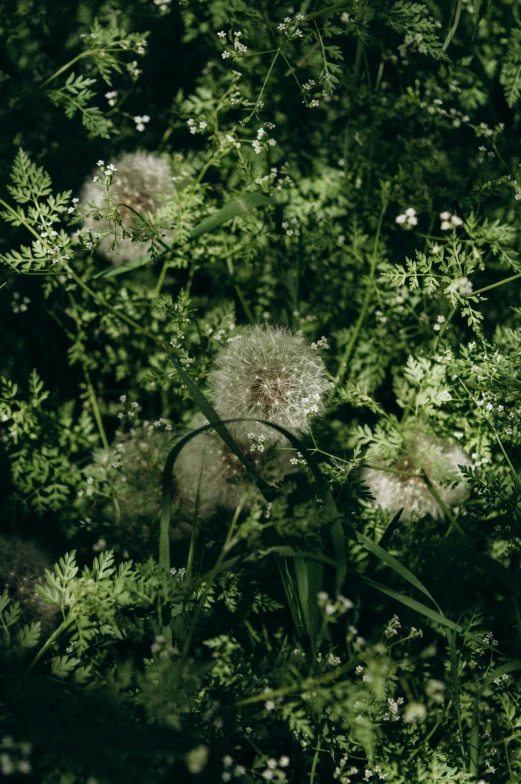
[[449, 221], [238, 47], [406, 488], [258, 145], [163, 6], [196, 127], [268, 373], [461, 286], [408, 218], [140, 182], [290, 27], [141, 121], [112, 97]]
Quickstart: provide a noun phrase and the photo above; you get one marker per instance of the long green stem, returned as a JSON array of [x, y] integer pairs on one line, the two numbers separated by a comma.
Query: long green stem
[[454, 27], [54, 636], [443, 506], [314, 765], [96, 410], [367, 299], [495, 285], [161, 279], [74, 60], [238, 291], [227, 546]]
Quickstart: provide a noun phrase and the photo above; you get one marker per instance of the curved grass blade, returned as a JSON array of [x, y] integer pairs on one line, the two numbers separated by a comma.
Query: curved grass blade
[[396, 566], [433, 615], [237, 207], [111, 272]]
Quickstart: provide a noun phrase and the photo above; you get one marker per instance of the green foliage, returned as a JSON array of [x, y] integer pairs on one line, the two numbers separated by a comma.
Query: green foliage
[[346, 171]]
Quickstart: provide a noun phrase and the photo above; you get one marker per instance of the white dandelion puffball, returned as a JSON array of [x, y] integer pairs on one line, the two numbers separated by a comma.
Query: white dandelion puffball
[[208, 475], [272, 374], [141, 180], [439, 460]]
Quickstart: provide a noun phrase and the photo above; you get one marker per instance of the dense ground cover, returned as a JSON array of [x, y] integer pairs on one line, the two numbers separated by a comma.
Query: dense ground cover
[[260, 391]]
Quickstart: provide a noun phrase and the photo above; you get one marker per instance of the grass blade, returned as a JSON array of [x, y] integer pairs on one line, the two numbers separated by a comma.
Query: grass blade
[[396, 566], [231, 210]]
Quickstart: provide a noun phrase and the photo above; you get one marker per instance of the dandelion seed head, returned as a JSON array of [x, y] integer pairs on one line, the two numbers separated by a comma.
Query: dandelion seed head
[[140, 180], [268, 373], [439, 460], [22, 567], [209, 475]]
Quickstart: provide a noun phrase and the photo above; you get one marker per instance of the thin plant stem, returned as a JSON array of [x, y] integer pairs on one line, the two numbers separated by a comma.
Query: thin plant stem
[[443, 506], [74, 60], [367, 299], [444, 327], [454, 27], [161, 279], [495, 285], [315, 762], [238, 291], [96, 410], [227, 546]]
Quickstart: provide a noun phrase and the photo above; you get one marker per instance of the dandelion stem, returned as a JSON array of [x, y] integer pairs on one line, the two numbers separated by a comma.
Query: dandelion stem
[[161, 278], [227, 546], [443, 506]]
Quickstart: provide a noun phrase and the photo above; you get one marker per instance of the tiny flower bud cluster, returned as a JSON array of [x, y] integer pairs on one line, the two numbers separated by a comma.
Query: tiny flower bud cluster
[[449, 221], [141, 121], [408, 218], [164, 6], [112, 97], [259, 145]]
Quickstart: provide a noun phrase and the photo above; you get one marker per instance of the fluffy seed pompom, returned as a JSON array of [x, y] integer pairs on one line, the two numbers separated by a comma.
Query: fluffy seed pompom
[[268, 373], [132, 475], [141, 180], [209, 475], [22, 567], [439, 460]]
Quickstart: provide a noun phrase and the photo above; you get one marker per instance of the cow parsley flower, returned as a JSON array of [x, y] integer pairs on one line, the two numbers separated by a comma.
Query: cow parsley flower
[[439, 460], [268, 373], [140, 180], [209, 475]]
